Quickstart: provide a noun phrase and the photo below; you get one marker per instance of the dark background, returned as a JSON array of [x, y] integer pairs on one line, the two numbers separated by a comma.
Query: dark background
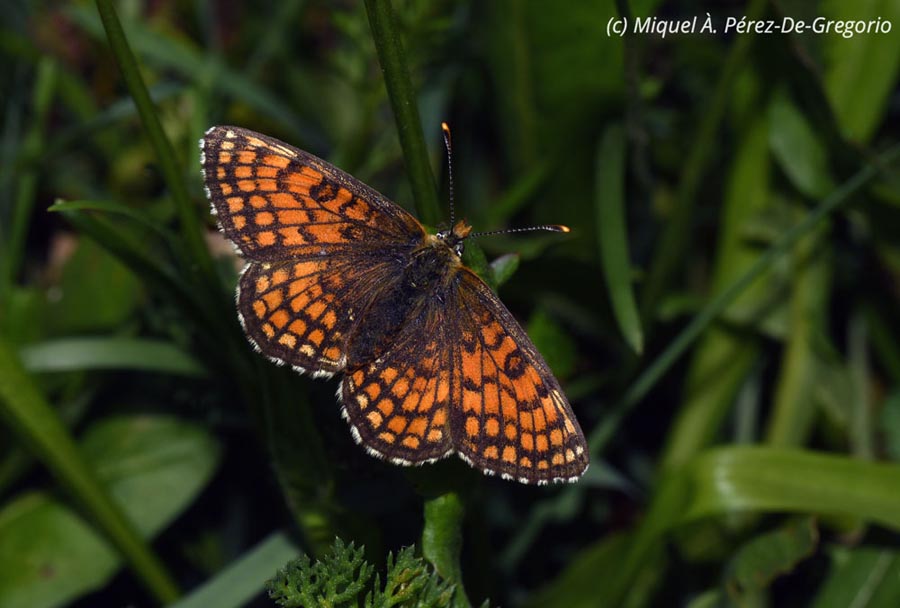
[[757, 467]]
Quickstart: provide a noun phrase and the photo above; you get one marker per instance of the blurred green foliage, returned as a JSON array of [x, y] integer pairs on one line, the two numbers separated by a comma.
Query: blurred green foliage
[[722, 315]]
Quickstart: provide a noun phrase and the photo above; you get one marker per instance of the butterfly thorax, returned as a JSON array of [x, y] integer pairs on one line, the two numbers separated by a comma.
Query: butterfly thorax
[[426, 273]]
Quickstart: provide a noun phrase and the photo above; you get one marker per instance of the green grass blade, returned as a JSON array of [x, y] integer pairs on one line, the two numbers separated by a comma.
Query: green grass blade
[[37, 424], [783, 479], [240, 581], [740, 479], [128, 251], [175, 55], [613, 235], [140, 354], [676, 234], [114, 209]]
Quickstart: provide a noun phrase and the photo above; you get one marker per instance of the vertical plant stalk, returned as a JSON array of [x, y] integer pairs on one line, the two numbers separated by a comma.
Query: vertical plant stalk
[[441, 536], [33, 421], [442, 540], [392, 59], [191, 228], [32, 148], [677, 234], [648, 379]]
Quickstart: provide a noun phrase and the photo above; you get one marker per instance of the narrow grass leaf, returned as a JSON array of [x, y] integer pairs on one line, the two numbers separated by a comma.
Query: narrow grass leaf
[[240, 581], [799, 150], [612, 233], [140, 354]]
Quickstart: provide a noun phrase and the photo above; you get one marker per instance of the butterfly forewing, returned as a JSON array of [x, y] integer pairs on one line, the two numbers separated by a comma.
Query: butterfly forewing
[[276, 202]]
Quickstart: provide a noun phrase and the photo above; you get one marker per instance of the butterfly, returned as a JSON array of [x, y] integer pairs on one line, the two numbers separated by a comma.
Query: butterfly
[[341, 280]]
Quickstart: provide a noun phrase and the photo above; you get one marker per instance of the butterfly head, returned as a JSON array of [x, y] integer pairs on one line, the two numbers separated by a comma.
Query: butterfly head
[[455, 236]]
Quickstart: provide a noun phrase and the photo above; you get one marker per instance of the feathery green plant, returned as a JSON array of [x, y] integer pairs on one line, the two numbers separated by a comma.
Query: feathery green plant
[[341, 578]]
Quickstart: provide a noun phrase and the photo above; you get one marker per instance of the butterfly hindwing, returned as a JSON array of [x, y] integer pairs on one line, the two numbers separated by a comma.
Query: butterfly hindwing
[[399, 405], [301, 312]]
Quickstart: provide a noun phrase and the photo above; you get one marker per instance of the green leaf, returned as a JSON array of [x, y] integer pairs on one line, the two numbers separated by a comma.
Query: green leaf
[[553, 342], [860, 72], [152, 466], [141, 354], [775, 479], [503, 268], [95, 292], [613, 235], [890, 425], [758, 562], [722, 360], [186, 60], [442, 539], [338, 579], [38, 426], [798, 149], [742, 479], [114, 209], [48, 554], [865, 577]]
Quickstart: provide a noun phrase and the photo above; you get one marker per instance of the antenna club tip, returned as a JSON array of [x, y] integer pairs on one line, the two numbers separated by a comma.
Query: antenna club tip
[[561, 228], [445, 128]]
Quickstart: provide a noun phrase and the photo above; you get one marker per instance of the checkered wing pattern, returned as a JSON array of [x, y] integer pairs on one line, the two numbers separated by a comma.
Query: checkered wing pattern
[[300, 313], [399, 405], [275, 202], [514, 419]]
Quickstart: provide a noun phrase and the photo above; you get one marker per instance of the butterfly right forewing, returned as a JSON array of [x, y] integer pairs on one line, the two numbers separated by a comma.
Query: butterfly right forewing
[[514, 419]]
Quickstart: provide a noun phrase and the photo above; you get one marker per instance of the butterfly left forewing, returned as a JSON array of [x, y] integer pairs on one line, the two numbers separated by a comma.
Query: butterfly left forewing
[[274, 201]]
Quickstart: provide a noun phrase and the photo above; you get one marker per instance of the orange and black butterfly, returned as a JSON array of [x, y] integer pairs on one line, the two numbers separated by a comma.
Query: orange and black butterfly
[[340, 279]]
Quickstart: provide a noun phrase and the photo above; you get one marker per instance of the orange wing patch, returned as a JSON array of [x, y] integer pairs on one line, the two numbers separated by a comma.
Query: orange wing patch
[[516, 421]]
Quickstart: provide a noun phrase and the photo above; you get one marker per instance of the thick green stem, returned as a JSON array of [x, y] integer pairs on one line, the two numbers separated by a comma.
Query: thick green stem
[[442, 540], [392, 58]]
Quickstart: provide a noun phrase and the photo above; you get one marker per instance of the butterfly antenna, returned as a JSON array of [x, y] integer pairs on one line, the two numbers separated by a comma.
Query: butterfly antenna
[[446, 132], [547, 227]]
